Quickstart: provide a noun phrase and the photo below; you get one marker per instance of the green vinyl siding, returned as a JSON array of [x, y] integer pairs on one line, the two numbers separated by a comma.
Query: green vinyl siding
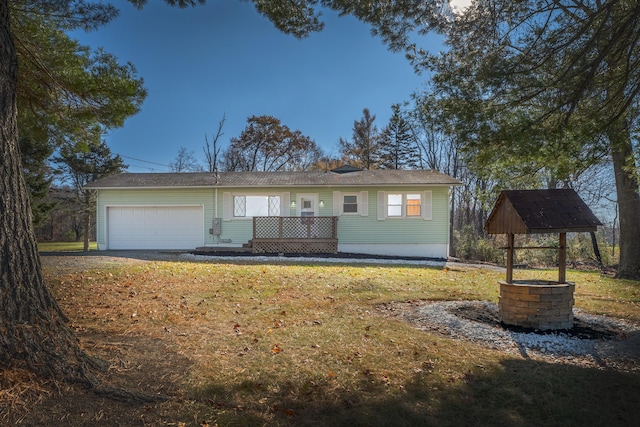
[[362, 230], [352, 228]]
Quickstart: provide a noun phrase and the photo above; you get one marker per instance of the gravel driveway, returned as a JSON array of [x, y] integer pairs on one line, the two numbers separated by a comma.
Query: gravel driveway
[[95, 259]]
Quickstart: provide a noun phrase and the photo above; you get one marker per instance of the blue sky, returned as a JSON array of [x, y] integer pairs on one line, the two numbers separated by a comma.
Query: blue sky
[[224, 58]]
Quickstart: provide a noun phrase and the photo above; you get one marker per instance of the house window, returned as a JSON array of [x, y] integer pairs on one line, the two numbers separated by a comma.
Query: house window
[[350, 203], [239, 206], [404, 205], [413, 205], [394, 205], [250, 206]]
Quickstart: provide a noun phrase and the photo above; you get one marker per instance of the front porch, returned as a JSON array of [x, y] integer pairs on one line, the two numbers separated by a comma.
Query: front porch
[[295, 234]]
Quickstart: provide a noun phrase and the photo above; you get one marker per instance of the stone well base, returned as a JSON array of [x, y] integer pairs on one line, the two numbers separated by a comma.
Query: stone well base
[[537, 304]]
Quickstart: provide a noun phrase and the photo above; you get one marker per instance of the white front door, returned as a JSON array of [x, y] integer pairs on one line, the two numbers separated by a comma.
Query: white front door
[[307, 205]]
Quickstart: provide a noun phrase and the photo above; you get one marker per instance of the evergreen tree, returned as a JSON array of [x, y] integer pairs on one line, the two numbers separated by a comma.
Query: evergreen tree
[[61, 87], [548, 89], [83, 87], [363, 151], [38, 177], [398, 147], [81, 164]]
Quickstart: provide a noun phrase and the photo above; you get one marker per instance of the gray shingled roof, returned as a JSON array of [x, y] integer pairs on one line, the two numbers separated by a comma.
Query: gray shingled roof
[[274, 179], [540, 211]]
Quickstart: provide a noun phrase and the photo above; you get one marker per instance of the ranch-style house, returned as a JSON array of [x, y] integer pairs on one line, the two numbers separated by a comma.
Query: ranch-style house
[[382, 212]]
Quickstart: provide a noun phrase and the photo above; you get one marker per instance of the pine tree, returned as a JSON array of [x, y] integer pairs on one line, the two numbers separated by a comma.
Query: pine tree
[[81, 164], [61, 86], [363, 151], [398, 148]]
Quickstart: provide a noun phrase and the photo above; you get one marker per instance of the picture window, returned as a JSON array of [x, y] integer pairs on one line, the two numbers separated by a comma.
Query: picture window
[[250, 206]]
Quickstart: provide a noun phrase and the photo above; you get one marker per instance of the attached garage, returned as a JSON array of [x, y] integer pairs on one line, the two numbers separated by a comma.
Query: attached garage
[[155, 227]]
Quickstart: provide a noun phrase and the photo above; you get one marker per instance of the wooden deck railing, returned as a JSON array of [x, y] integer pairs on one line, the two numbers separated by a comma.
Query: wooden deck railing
[[295, 234]]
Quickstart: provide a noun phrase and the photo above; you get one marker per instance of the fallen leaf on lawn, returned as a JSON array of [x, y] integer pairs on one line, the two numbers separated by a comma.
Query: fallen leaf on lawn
[[276, 349]]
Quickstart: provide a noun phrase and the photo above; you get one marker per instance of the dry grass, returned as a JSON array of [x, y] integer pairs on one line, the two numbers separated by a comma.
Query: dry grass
[[65, 246], [288, 344], [18, 390]]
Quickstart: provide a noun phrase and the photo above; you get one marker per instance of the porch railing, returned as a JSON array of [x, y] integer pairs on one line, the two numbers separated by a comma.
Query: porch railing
[[295, 234]]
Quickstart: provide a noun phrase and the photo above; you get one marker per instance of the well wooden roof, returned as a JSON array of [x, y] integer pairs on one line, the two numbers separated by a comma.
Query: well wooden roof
[[275, 179], [539, 212]]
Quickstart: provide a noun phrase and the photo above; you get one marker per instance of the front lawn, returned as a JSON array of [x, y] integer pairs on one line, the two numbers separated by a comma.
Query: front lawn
[[65, 246], [289, 344]]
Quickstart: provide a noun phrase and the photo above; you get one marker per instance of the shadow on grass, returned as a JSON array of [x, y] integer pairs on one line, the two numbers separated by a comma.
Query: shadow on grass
[[512, 393]]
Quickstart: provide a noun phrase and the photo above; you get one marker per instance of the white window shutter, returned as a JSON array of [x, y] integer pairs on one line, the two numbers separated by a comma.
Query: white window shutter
[[227, 207], [285, 201], [427, 206], [337, 204], [381, 205], [363, 203]]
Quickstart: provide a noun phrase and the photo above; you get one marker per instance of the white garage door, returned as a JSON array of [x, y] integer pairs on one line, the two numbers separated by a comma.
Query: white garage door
[[162, 227]]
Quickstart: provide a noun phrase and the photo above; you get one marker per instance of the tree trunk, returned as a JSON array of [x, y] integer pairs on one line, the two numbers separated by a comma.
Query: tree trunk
[[88, 206], [33, 333], [628, 203], [87, 229]]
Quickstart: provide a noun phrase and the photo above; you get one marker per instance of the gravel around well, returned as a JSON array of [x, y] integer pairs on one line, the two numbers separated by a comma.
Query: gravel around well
[[597, 341]]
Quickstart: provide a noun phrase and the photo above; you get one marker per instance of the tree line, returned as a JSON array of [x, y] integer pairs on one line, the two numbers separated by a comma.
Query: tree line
[[414, 138]]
